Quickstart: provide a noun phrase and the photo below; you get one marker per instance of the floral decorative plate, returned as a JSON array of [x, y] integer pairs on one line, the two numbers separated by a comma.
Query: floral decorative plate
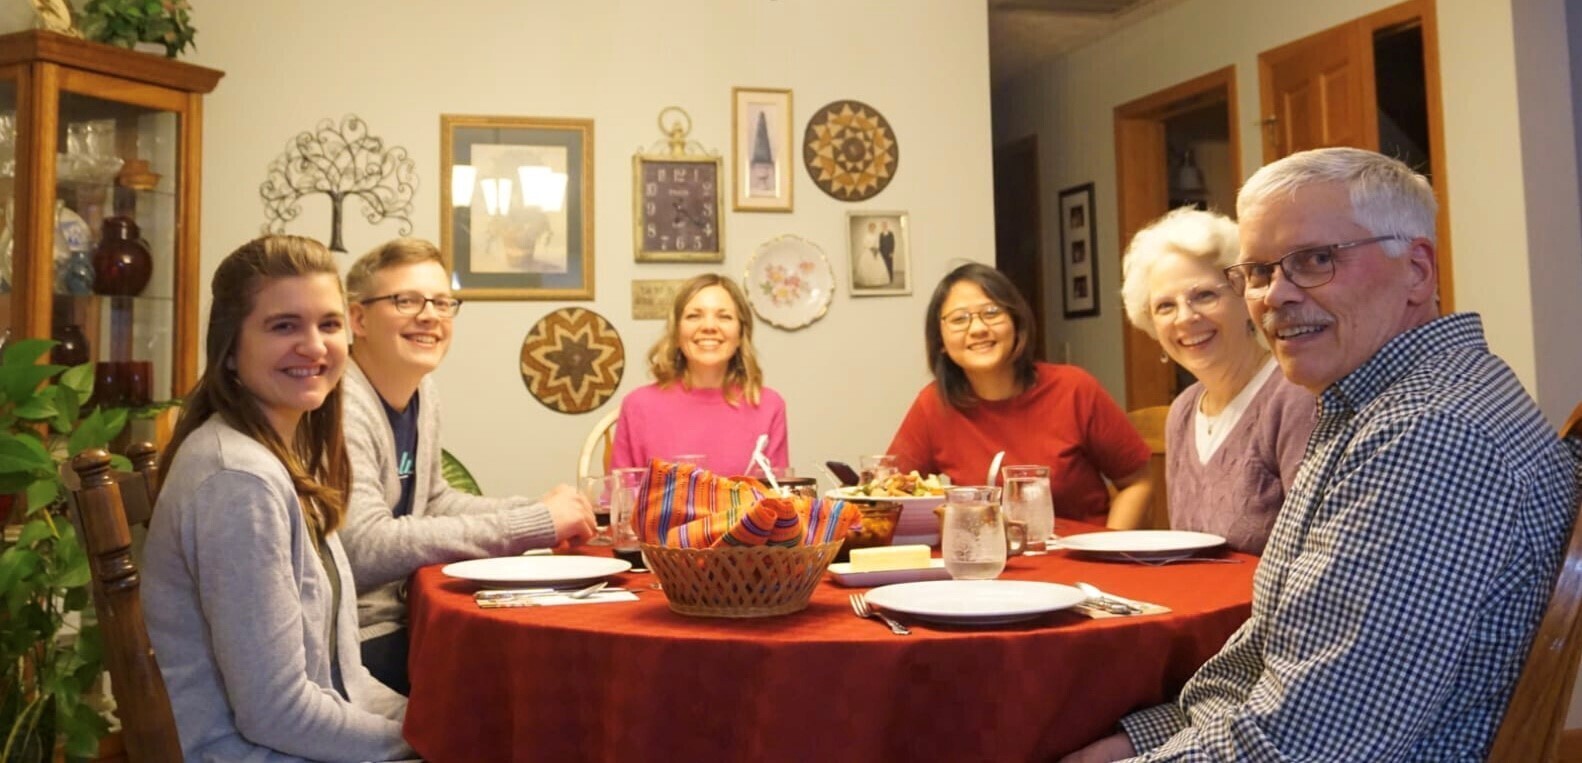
[[789, 282]]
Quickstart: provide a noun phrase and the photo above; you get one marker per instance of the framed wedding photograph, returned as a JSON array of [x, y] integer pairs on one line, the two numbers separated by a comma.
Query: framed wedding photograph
[[879, 253], [516, 206], [761, 150], [1079, 268], [676, 208]]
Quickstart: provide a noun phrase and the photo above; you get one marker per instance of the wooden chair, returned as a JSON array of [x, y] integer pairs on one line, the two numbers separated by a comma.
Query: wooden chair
[[601, 441], [148, 726], [1535, 719], [1150, 423]]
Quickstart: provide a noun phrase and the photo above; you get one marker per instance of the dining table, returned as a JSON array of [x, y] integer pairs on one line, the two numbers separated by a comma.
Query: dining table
[[633, 680]]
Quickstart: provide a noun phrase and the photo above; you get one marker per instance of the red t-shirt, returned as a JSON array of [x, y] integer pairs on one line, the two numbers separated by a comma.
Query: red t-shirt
[[1066, 421]]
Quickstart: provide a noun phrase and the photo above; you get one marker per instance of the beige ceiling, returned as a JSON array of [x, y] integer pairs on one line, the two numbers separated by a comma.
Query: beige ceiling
[[1025, 33]]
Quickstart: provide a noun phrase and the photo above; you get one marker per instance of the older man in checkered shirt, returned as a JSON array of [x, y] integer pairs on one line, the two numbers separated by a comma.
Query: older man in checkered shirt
[[1414, 555]]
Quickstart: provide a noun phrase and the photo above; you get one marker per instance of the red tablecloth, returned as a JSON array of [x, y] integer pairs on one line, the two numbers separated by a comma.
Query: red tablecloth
[[635, 681]]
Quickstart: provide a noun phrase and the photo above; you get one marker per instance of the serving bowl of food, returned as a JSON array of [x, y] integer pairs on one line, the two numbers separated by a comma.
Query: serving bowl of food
[[912, 494], [879, 521]]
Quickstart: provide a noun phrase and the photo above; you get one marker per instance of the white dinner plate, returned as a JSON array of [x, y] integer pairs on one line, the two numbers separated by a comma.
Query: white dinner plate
[[975, 602], [510, 571], [1145, 544], [917, 524], [843, 575]]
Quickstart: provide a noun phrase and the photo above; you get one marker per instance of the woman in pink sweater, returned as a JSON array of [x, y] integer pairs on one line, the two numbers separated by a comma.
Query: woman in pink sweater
[[708, 396]]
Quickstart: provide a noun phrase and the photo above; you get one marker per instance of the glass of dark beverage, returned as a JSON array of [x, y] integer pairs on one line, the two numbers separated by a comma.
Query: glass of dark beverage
[[624, 493], [598, 489]]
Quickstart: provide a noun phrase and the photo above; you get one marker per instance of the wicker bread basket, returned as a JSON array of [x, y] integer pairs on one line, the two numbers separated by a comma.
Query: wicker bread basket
[[739, 581]]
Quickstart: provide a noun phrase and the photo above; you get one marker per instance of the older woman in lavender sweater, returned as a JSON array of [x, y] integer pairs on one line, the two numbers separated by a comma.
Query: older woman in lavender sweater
[[1235, 439]]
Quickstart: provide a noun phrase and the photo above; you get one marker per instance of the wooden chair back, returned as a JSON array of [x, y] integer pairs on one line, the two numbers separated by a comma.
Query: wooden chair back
[[599, 443], [1150, 423], [1535, 718], [148, 726]]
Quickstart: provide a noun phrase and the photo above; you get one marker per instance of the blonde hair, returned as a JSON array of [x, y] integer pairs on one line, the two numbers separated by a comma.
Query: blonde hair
[[316, 456], [743, 378], [1209, 237], [400, 251]]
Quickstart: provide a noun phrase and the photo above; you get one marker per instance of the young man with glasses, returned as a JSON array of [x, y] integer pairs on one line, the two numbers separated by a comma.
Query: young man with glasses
[[401, 514], [1414, 557]]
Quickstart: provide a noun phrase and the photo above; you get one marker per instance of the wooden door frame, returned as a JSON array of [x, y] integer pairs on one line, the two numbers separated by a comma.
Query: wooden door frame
[[1421, 12], [1142, 183]]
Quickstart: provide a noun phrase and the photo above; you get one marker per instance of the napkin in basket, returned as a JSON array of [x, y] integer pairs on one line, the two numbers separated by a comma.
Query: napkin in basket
[[683, 506]]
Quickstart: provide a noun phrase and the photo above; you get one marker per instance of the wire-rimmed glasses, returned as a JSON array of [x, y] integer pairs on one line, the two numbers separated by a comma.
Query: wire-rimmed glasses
[[1306, 268]]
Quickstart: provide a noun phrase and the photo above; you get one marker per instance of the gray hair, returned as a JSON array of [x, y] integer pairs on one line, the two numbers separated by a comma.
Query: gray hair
[[1207, 236], [1387, 197]]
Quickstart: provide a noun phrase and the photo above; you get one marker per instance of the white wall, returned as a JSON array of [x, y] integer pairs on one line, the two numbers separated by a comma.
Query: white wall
[[1506, 238], [847, 379]]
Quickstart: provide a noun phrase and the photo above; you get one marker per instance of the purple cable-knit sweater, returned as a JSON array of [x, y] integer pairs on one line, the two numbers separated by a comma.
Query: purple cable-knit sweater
[[1238, 493]]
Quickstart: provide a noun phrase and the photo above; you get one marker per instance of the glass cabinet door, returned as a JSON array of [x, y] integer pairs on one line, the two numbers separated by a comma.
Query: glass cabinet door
[[115, 238]]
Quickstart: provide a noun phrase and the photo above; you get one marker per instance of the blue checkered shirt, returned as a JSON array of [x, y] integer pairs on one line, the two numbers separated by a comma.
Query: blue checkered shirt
[[1405, 575]]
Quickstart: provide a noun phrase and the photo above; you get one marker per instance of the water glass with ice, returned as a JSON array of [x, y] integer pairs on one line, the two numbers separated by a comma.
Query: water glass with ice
[[972, 535]]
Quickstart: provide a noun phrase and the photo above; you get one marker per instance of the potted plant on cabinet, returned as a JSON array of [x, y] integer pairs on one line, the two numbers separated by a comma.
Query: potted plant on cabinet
[[125, 23], [48, 657]]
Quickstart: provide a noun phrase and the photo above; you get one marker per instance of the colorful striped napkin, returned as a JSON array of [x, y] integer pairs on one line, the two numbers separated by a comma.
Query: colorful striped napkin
[[683, 506]]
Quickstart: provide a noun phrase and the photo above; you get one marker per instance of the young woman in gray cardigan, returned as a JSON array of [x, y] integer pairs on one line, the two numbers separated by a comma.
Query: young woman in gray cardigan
[[402, 514], [249, 597]]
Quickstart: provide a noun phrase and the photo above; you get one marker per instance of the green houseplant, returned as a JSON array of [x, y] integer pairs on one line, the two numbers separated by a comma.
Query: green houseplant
[[50, 659], [128, 22]]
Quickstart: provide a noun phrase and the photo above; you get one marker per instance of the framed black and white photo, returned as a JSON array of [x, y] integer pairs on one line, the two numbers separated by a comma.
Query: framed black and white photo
[[1079, 267], [761, 150], [879, 253], [516, 206]]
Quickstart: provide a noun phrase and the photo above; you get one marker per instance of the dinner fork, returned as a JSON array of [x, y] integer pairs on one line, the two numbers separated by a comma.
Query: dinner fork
[[859, 605]]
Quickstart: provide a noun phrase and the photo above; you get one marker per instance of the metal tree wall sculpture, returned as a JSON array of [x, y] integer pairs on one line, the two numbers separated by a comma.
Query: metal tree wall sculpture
[[339, 161]]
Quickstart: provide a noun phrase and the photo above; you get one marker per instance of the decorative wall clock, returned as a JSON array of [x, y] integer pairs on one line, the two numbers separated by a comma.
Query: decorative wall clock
[[676, 198], [572, 360], [850, 150]]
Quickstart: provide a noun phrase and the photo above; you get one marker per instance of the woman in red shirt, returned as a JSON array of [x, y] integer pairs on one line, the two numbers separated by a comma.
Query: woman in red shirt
[[990, 395]]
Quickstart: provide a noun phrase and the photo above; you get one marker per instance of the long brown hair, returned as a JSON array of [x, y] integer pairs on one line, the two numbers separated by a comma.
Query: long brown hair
[[316, 457], [743, 377], [949, 379]]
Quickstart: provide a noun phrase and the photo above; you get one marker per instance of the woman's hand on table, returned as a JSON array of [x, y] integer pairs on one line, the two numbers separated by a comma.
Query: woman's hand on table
[[571, 513], [1110, 748]]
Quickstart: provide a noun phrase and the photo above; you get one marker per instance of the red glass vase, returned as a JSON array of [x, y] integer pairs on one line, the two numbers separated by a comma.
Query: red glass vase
[[122, 262]]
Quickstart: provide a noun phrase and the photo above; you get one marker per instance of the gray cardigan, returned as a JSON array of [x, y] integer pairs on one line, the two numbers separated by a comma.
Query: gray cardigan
[[239, 607], [445, 525]]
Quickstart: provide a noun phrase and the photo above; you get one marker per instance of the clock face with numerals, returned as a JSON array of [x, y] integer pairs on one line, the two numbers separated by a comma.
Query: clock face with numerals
[[678, 210]]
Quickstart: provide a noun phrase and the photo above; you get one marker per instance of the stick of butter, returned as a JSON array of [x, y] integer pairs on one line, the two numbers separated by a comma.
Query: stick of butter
[[889, 558]]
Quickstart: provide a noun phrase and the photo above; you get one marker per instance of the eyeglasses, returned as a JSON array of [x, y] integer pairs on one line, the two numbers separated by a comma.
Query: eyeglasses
[[412, 303], [960, 320], [1200, 298], [1306, 268]]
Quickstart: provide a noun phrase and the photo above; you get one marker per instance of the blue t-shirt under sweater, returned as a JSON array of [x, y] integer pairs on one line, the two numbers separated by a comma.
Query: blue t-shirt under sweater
[[404, 425]]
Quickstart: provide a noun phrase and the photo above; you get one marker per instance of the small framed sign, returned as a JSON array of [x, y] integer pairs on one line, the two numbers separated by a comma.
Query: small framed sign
[[652, 299]]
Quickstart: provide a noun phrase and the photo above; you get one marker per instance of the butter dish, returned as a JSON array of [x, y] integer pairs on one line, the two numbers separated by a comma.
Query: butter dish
[[843, 574]]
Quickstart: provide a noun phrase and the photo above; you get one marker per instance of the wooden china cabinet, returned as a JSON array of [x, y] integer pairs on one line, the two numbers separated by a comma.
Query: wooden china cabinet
[[100, 163]]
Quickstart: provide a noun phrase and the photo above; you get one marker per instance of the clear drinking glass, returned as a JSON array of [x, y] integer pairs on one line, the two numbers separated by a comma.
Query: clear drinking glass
[[876, 468], [628, 485], [972, 535], [598, 489], [697, 460], [1026, 498]]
